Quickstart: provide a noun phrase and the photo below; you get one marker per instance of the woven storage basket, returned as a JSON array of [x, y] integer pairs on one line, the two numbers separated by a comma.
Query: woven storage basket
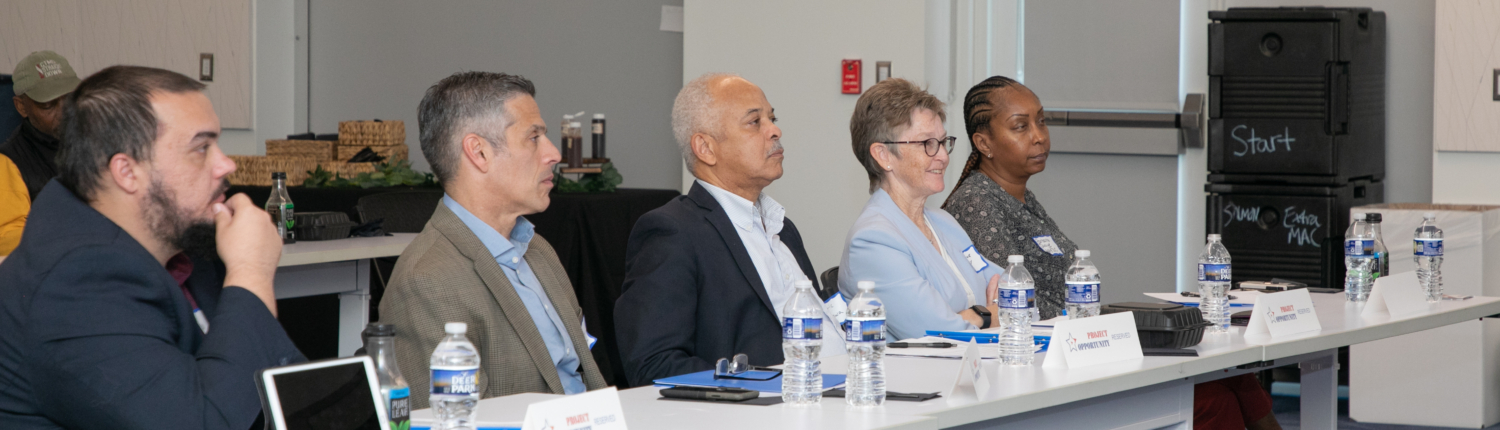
[[391, 153], [350, 170], [371, 133], [256, 169], [311, 149]]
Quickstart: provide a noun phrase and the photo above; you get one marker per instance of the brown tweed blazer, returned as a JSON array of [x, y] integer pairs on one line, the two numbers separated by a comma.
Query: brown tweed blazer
[[447, 275]]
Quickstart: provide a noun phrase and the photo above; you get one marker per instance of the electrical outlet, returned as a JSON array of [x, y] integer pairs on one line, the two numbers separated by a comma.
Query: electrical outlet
[[206, 67], [882, 71]]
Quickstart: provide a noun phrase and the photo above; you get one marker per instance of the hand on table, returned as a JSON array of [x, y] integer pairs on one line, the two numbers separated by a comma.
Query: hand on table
[[249, 246]]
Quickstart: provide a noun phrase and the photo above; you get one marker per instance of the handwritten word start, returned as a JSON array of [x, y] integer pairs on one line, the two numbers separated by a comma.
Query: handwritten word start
[[1258, 145]]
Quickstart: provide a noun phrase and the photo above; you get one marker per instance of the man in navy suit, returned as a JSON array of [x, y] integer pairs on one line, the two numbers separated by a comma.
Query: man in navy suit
[[708, 273], [115, 310]]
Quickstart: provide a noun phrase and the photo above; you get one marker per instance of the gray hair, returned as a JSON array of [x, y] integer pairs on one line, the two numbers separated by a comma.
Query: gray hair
[[693, 112], [466, 102]]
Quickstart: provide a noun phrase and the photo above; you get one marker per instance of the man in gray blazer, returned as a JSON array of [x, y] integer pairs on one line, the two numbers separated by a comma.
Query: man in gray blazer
[[479, 260]]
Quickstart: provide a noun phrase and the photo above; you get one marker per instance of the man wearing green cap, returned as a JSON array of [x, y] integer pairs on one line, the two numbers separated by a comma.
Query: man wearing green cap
[[41, 79]]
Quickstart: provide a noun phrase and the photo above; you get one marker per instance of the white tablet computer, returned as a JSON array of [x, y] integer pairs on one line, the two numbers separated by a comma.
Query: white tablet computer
[[341, 393]]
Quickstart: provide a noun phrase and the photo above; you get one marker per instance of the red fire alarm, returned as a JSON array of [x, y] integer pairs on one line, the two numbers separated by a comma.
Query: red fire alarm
[[851, 77]]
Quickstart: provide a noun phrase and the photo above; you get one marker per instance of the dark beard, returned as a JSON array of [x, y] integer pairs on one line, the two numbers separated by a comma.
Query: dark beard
[[195, 238]]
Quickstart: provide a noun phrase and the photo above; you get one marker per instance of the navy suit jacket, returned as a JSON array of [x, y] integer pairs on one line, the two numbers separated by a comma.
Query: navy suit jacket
[[692, 294], [95, 334]]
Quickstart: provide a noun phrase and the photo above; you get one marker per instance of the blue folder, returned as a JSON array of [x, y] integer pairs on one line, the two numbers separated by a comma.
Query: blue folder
[[706, 379], [965, 336]]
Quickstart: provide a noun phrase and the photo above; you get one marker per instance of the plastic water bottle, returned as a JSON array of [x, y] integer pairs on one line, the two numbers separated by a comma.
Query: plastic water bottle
[[1214, 277], [380, 344], [864, 340], [1427, 249], [1382, 265], [1359, 260], [1017, 300], [1083, 286], [801, 342], [455, 380]]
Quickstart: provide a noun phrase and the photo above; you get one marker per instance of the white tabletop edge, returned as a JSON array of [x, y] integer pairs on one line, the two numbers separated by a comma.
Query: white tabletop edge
[[354, 248]]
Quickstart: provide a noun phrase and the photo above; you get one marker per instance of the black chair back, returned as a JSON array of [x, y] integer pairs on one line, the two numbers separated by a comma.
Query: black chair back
[[402, 211], [828, 283], [10, 120]]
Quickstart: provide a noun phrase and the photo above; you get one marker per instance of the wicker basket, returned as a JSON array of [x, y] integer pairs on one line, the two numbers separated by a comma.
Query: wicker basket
[[311, 149], [351, 170], [371, 133], [256, 169], [391, 153]]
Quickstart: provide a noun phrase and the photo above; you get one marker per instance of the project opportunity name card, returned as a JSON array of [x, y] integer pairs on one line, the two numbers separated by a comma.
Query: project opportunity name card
[[971, 383], [1400, 294], [1094, 340], [598, 409], [1284, 313]]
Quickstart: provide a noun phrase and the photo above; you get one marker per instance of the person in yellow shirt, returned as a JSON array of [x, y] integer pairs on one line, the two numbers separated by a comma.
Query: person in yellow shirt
[[14, 204]]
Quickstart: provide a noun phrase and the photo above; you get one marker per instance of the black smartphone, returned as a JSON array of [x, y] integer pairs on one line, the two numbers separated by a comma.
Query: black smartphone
[[720, 394]]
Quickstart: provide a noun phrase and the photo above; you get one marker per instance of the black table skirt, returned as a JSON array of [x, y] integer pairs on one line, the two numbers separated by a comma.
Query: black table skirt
[[588, 230]]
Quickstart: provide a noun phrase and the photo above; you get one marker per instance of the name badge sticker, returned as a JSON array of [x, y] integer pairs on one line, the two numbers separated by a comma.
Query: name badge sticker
[[1047, 245], [975, 260]]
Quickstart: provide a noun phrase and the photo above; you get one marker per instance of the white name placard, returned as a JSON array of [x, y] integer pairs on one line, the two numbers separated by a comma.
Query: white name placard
[[598, 409], [1284, 313], [971, 385], [1094, 340], [1399, 294]]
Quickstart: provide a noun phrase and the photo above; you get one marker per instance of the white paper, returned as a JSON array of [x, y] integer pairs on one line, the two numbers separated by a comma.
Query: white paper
[[671, 18], [971, 384], [1284, 313], [1097, 340], [1399, 294], [598, 409]]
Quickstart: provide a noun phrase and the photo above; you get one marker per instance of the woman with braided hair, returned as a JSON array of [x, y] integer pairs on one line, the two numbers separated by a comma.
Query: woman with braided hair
[[1010, 144]]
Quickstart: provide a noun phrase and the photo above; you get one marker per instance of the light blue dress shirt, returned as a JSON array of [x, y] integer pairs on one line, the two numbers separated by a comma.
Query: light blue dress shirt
[[919, 289], [511, 255]]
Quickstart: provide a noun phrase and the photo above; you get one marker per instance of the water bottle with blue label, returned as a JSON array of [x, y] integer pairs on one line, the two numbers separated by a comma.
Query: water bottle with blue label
[[380, 345], [1017, 301], [1083, 286], [1427, 249], [801, 342], [455, 380], [1359, 260], [1214, 278], [1382, 266], [864, 340]]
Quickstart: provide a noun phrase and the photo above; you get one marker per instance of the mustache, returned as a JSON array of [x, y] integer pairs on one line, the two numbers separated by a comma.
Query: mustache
[[223, 187], [774, 149]]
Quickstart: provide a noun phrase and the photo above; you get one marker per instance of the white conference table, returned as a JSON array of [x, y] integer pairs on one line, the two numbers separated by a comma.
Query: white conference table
[[1148, 393], [342, 267]]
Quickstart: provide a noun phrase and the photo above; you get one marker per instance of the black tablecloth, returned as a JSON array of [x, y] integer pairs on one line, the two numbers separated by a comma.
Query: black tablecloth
[[588, 230]]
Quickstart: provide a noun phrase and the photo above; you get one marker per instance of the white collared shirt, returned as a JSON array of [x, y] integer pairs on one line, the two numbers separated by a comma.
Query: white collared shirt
[[759, 226]]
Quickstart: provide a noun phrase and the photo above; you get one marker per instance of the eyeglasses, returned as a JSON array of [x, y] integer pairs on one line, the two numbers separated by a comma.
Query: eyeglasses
[[931, 145], [740, 368]]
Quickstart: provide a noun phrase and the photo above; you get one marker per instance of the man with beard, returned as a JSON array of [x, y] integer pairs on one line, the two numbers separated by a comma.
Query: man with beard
[[708, 273], [117, 312]]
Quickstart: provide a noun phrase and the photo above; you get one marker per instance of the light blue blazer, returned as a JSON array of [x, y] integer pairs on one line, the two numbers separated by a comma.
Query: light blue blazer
[[919, 290]]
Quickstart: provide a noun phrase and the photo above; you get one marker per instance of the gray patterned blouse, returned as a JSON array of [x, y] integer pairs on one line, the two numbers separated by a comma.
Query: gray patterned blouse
[[1000, 226]]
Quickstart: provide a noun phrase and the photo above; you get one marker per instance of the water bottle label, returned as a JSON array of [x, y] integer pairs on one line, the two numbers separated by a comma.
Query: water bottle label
[[399, 408], [1083, 292], [1213, 272], [461, 380], [864, 330], [1359, 247], [1017, 299], [802, 328], [1427, 247]]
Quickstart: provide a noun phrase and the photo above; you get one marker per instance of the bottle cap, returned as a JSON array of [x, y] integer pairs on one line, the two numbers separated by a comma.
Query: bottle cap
[[1213, 237], [598, 116], [1082, 253], [865, 285], [1358, 216], [456, 328], [1015, 259], [568, 118], [802, 284], [278, 175], [1429, 215], [1373, 217], [380, 330], [575, 124]]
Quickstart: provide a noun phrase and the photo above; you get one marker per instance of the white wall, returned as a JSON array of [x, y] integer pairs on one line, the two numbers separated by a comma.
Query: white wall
[[792, 50], [1467, 52], [273, 75]]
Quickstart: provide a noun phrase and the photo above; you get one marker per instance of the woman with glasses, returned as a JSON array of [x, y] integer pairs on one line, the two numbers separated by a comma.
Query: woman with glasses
[[926, 271]]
